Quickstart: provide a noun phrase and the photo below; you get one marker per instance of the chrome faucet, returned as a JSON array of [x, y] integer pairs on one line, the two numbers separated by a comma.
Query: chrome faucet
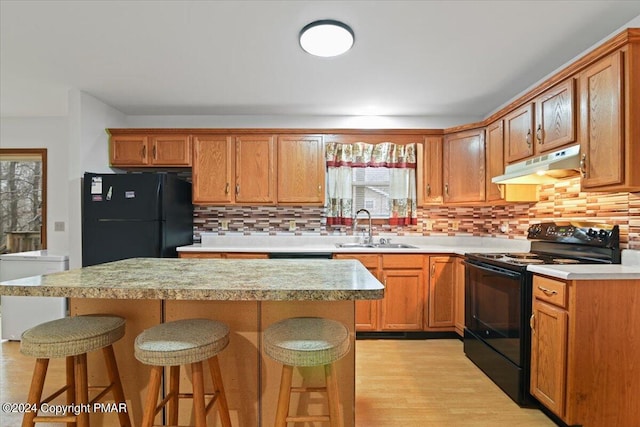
[[369, 239]]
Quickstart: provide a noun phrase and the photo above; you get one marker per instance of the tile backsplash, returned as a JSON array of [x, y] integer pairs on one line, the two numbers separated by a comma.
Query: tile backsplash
[[560, 201]]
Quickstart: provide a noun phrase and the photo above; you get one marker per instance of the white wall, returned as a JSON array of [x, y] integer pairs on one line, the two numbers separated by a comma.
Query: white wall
[[88, 152], [50, 133], [299, 122]]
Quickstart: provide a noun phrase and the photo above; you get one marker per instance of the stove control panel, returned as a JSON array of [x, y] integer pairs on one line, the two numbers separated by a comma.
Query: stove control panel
[[593, 234]]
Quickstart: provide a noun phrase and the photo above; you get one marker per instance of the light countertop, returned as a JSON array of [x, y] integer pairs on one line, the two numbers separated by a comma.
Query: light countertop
[[208, 279]]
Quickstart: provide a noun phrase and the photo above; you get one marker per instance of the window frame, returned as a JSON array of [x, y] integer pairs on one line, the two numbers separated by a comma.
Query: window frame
[[42, 153]]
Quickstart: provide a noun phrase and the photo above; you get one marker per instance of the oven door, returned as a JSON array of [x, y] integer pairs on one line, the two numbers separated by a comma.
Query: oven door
[[493, 302]]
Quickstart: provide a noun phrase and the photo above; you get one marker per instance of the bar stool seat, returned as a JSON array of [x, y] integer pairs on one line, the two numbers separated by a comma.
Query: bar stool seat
[[301, 342], [72, 338], [184, 342]]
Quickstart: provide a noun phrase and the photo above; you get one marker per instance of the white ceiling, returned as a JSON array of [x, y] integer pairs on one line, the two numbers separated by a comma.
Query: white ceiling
[[410, 58]]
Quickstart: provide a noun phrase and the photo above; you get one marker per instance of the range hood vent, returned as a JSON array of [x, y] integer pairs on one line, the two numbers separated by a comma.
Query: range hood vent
[[544, 169]]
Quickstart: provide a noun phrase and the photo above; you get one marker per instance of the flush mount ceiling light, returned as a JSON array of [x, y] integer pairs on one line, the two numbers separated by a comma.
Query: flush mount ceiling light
[[326, 38]]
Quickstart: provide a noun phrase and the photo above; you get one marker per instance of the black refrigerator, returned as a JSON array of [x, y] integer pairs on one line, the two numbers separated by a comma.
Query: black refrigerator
[[134, 215]]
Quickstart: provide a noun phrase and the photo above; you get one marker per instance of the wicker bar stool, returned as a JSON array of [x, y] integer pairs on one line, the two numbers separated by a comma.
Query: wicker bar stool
[[181, 342], [72, 338], [307, 341]]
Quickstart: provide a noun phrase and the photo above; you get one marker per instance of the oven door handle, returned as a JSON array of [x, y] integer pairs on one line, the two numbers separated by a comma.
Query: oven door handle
[[492, 269]]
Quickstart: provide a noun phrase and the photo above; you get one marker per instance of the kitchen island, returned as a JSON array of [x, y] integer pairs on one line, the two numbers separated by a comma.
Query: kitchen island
[[248, 295]]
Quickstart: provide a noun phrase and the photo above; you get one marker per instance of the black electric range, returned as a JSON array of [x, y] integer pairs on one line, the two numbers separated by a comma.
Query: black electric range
[[498, 293]]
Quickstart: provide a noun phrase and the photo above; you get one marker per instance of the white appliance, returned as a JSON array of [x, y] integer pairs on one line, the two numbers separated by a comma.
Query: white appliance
[[21, 313]]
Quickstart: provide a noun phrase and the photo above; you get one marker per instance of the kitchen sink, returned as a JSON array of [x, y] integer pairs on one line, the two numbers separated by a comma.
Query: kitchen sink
[[376, 245]]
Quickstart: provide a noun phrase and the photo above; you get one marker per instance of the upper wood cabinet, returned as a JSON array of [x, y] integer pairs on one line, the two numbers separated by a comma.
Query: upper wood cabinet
[[432, 170], [518, 133], [495, 159], [464, 167], [555, 117], [233, 169], [609, 124], [138, 150], [545, 124], [301, 169]]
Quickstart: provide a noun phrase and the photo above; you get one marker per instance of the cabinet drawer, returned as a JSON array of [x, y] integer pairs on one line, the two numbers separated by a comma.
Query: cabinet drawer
[[552, 291], [402, 261]]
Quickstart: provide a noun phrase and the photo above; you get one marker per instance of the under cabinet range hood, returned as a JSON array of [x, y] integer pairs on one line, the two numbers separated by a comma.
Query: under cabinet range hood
[[544, 169]]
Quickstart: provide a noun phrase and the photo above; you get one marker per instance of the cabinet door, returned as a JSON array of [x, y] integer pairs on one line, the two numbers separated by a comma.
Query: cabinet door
[[129, 150], [442, 281], [255, 169], [432, 170], [212, 169], [464, 169], [601, 123], [366, 310], [518, 134], [555, 111], [495, 159], [171, 150], [301, 169], [402, 306], [459, 296], [549, 355]]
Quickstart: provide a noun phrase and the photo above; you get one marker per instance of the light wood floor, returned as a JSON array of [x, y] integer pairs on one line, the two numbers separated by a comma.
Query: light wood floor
[[398, 383]]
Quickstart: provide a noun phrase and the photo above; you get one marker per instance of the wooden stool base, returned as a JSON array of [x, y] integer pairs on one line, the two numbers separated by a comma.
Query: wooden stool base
[[77, 390], [200, 407]]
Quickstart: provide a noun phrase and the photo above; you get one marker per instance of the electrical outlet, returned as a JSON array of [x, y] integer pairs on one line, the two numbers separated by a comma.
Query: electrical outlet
[[58, 226], [224, 225], [504, 227], [429, 225], [292, 225], [455, 225]]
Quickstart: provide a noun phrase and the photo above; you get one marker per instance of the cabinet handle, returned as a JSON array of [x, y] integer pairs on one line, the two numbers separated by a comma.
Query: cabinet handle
[[433, 270], [226, 189], [539, 134], [532, 323], [446, 189], [155, 156], [237, 189], [144, 151], [528, 140], [319, 188], [583, 165], [428, 189], [548, 292]]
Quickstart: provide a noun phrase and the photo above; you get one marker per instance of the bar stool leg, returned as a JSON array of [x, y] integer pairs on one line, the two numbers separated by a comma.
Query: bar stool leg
[[114, 378], [82, 389], [332, 393], [152, 396], [199, 407], [35, 391], [218, 387], [174, 391], [285, 396], [71, 380]]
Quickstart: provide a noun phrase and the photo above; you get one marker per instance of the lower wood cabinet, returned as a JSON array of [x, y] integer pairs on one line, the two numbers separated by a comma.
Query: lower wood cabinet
[[585, 350], [403, 305], [442, 288]]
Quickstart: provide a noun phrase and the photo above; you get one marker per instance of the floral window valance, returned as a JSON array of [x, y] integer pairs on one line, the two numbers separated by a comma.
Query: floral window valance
[[342, 158]]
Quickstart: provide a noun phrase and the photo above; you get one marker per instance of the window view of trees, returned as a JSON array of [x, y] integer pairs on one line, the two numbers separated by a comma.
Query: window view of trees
[[22, 176]]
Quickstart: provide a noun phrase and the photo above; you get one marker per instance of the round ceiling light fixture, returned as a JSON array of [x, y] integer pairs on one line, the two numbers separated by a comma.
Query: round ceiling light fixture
[[326, 38]]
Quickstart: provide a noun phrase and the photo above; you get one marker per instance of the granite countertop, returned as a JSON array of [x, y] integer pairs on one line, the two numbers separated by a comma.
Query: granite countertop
[[207, 279]]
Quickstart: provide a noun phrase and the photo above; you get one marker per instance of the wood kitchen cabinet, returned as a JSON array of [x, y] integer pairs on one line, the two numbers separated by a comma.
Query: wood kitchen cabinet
[[403, 305], [442, 290], [464, 167], [366, 310], [609, 125], [234, 169], [545, 124], [143, 150], [301, 169], [584, 350], [459, 296], [432, 170]]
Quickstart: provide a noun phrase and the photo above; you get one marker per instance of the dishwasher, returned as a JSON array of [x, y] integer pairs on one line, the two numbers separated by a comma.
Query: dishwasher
[[300, 255]]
